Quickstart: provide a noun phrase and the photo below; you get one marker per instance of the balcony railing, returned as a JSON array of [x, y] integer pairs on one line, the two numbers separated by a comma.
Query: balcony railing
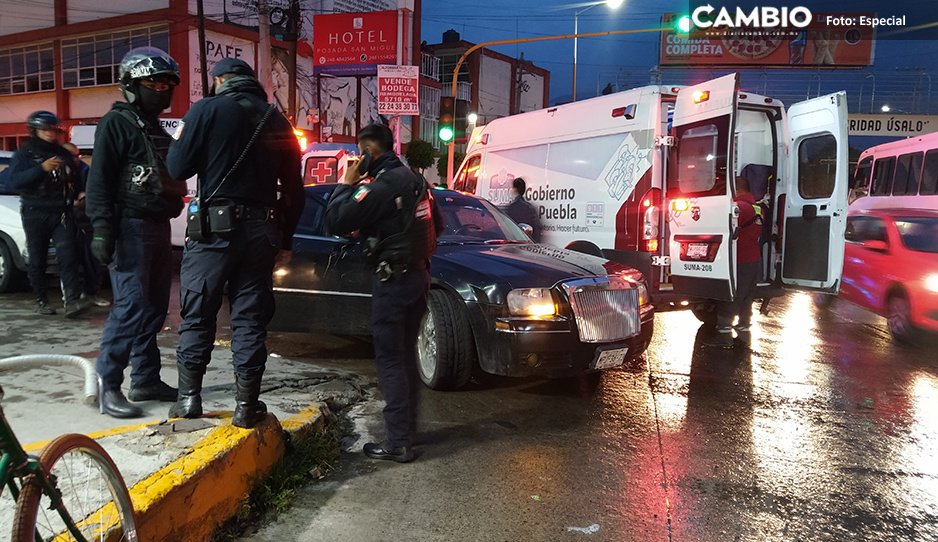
[[430, 66]]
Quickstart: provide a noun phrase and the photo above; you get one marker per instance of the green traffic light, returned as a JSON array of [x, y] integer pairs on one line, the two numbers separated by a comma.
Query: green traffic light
[[685, 24], [446, 133]]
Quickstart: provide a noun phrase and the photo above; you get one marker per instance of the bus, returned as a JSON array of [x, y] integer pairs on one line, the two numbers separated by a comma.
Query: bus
[[901, 174]]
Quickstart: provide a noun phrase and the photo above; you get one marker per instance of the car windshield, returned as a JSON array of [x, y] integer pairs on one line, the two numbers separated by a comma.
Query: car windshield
[[471, 220], [919, 233]]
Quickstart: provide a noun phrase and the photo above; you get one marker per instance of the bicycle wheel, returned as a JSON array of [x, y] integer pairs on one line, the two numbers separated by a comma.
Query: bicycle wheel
[[91, 489]]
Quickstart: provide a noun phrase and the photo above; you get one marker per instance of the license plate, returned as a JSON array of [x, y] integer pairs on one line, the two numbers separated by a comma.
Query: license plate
[[609, 358], [697, 251]]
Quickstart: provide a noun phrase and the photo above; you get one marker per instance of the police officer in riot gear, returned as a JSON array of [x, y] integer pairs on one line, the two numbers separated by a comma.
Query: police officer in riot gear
[[240, 147], [45, 175], [130, 199], [400, 222]]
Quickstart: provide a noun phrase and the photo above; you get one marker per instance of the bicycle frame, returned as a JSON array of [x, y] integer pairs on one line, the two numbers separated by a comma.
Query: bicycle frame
[[16, 464]]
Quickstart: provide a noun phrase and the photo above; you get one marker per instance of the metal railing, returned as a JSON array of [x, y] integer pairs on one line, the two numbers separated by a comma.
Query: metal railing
[[430, 66]]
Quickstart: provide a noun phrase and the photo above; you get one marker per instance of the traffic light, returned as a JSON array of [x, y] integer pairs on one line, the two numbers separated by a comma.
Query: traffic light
[[447, 118], [461, 124], [684, 24]]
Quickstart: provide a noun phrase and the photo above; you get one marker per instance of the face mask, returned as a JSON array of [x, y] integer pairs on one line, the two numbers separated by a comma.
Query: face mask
[[364, 163], [153, 101]]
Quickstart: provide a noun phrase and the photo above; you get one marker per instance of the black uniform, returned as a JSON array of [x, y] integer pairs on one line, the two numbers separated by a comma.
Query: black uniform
[[130, 197], [46, 210], [382, 210], [215, 132], [522, 211]]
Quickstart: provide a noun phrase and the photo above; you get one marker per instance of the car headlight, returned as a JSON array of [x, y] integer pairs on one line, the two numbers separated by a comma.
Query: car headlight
[[532, 303], [643, 298], [931, 282]]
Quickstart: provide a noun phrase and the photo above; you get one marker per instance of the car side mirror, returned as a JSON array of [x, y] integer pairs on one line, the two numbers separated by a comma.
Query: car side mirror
[[526, 228], [876, 245]]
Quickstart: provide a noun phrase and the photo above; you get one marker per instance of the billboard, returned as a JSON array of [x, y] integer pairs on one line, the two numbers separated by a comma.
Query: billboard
[[354, 43], [820, 43]]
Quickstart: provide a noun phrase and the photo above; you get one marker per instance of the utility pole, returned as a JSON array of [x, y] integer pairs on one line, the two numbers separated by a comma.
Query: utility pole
[[294, 31], [203, 62], [520, 85], [263, 48]]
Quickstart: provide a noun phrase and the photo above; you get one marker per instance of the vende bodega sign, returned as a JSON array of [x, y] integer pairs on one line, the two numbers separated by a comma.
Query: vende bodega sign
[[397, 90], [354, 43]]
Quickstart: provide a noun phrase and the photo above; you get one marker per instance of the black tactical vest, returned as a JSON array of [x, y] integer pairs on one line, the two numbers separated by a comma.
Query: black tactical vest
[[416, 241], [148, 188]]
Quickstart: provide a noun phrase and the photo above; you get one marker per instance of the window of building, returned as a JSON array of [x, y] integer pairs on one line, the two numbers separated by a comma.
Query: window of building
[[27, 69], [93, 60]]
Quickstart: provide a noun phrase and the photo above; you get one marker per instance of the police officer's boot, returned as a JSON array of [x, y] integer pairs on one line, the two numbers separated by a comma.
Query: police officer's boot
[[189, 401], [248, 410]]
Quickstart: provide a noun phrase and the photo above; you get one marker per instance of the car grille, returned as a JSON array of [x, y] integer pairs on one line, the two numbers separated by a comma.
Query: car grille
[[606, 309]]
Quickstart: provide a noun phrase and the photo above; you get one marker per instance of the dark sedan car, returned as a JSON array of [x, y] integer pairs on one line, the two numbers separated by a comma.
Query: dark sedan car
[[498, 301]]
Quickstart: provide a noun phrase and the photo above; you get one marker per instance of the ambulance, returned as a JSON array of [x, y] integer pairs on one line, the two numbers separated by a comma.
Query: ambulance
[[326, 162], [646, 177]]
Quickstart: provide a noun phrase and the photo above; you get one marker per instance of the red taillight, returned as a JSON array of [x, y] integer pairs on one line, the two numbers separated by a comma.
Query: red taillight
[[650, 219], [675, 89]]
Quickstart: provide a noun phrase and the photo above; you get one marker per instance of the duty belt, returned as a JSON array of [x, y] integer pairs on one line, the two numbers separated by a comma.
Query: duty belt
[[248, 212], [386, 271]]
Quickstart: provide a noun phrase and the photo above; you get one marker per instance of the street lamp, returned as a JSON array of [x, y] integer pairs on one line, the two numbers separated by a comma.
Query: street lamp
[[576, 14]]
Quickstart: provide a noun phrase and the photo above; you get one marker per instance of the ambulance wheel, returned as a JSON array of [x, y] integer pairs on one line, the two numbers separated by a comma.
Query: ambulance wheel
[[586, 248], [445, 349], [706, 313], [823, 301]]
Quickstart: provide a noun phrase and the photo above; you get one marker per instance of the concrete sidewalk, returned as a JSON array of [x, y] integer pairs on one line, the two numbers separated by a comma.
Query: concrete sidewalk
[[185, 476]]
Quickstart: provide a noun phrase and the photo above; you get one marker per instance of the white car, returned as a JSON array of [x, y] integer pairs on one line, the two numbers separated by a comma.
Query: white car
[[12, 236]]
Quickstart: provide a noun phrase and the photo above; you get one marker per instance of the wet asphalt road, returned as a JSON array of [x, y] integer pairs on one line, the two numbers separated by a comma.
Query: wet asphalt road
[[827, 430]]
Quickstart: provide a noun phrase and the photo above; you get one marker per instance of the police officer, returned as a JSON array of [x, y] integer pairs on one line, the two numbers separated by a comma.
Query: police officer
[[44, 173], [130, 199], [400, 222], [748, 271], [241, 251]]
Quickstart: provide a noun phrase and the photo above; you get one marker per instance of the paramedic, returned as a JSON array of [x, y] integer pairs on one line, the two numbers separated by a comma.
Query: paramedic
[[748, 271]]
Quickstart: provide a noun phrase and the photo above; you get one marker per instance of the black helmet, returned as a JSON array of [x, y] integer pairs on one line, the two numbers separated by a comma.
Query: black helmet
[[144, 62], [42, 120]]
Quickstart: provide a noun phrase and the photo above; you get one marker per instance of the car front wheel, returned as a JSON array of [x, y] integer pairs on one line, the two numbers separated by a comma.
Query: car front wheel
[[899, 318], [444, 345]]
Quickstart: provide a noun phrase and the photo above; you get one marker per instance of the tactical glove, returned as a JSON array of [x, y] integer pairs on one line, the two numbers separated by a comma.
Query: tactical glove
[[102, 245]]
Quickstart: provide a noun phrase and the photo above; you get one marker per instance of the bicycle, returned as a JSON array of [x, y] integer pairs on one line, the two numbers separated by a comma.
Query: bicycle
[[71, 492]]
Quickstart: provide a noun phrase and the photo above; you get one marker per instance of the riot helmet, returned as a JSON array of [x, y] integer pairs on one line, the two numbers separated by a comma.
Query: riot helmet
[[145, 63], [42, 120]]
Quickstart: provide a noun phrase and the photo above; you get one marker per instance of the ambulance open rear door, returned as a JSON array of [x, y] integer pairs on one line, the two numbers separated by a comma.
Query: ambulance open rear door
[[815, 194], [701, 220]]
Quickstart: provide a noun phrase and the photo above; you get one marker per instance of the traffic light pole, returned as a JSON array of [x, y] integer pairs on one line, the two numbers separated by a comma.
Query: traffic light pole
[[449, 159]]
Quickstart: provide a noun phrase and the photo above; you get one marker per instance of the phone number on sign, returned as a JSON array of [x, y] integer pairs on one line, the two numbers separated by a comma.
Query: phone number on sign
[[397, 108]]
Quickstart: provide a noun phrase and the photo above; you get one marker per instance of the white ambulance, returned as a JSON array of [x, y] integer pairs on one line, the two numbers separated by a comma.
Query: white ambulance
[[326, 162], [646, 177]]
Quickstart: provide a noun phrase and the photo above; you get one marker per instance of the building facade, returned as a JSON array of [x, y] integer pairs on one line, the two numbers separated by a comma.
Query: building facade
[[63, 55]]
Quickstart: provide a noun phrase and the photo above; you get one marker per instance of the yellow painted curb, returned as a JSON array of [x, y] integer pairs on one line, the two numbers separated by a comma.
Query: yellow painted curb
[[187, 498]]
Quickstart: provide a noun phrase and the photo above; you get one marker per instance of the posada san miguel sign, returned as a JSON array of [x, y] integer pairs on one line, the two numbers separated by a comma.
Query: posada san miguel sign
[[354, 43]]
